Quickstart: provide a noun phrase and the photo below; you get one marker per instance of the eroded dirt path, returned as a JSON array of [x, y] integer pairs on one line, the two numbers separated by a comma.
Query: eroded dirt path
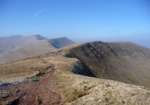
[[37, 92]]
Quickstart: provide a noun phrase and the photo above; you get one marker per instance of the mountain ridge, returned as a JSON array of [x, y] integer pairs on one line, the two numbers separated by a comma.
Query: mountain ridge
[[15, 42], [124, 62], [32, 46], [94, 73]]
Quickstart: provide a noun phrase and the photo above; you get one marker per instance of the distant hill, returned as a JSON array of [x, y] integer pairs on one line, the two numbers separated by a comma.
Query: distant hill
[[20, 47], [61, 42], [121, 61], [17, 41], [34, 49]]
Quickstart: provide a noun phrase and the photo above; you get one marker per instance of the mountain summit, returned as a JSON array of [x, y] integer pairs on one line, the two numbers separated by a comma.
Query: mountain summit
[[61, 42]]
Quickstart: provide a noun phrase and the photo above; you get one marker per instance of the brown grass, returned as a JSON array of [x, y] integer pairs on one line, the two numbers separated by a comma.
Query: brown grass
[[78, 89]]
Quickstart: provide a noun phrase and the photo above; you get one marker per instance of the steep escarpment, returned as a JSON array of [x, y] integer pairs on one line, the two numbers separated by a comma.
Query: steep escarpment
[[125, 62]]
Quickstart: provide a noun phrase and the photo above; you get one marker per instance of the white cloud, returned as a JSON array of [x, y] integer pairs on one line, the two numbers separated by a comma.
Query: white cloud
[[40, 11]]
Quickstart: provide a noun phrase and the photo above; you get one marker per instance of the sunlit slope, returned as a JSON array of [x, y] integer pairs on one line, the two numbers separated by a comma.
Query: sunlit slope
[[23, 50], [122, 61], [74, 89], [35, 49], [18, 41], [18, 70]]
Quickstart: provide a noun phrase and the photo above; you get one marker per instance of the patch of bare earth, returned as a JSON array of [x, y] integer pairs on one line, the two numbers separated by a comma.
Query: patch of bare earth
[[39, 91]]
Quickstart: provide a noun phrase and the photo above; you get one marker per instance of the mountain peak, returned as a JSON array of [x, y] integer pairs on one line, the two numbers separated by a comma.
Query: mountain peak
[[61, 42], [39, 37]]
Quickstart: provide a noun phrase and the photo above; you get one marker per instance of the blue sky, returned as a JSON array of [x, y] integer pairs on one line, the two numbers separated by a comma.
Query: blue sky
[[79, 20]]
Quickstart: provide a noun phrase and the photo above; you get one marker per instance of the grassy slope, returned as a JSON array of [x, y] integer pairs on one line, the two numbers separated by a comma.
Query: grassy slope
[[77, 89], [15, 42], [125, 62], [22, 47], [35, 49]]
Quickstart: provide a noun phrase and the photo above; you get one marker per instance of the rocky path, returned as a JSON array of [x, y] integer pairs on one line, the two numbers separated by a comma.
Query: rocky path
[[33, 92]]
